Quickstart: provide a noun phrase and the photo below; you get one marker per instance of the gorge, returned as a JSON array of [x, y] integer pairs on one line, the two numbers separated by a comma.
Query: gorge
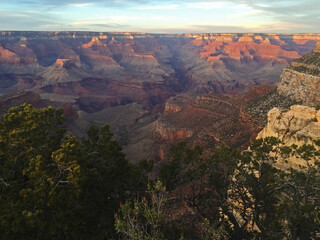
[[146, 85]]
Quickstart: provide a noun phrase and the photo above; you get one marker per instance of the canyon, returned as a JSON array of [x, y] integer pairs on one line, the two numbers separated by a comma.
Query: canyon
[[157, 89], [154, 89]]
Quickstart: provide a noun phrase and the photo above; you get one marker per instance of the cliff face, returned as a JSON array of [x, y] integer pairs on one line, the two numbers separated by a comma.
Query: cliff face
[[299, 125], [301, 80]]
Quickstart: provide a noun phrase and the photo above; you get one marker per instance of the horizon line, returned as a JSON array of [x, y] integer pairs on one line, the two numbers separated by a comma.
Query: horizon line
[[166, 33]]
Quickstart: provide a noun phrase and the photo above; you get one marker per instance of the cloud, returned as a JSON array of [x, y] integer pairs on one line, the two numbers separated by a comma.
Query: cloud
[[196, 29], [271, 15], [15, 20], [280, 15], [81, 4], [95, 26], [218, 29], [78, 3], [118, 18], [207, 5], [158, 7], [24, 21], [295, 16], [245, 14]]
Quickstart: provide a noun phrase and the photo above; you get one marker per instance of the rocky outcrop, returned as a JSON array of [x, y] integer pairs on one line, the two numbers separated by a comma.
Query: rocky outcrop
[[300, 125], [94, 41], [301, 80], [141, 63], [300, 86], [63, 70], [7, 56]]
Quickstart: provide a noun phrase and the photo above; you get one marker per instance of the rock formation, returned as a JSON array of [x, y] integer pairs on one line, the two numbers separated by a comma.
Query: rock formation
[[301, 80], [97, 74], [300, 125]]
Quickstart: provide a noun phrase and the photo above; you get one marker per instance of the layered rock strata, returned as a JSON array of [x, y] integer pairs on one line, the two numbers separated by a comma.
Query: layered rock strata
[[301, 80]]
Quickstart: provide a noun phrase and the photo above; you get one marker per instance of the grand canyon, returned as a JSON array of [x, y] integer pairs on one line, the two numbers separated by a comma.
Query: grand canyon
[[196, 106], [139, 82]]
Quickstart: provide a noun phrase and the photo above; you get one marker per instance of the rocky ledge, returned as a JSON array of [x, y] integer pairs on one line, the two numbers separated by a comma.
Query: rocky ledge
[[299, 125]]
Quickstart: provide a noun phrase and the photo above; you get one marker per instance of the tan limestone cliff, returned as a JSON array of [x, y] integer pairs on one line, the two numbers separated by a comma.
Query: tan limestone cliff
[[299, 125]]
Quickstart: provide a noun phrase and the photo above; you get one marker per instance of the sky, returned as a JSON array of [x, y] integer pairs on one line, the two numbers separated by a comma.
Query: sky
[[162, 16]]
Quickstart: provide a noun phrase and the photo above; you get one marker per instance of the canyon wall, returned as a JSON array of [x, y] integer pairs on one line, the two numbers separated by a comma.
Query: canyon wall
[[300, 124], [100, 70], [150, 86], [301, 80]]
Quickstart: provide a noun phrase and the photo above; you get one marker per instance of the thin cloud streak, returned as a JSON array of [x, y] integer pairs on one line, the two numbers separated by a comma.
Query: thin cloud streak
[[158, 7], [207, 5]]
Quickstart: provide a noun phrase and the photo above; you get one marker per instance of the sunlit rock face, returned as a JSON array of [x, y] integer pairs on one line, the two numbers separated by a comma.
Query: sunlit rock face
[[301, 80], [300, 125]]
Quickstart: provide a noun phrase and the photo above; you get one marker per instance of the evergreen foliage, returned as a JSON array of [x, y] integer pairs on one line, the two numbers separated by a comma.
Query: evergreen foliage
[[54, 186]]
